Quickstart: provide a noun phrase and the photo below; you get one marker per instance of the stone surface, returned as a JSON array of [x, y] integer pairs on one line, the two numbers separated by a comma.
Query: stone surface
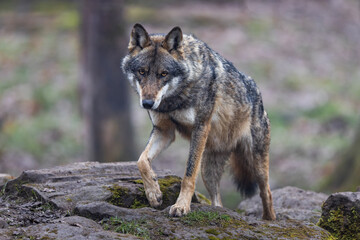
[[25, 211], [341, 215], [200, 224], [66, 202], [289, 203], [64, 186], [71, 228]]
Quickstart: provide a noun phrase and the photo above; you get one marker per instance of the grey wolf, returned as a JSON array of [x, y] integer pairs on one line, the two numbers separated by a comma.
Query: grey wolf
[[187, 87]]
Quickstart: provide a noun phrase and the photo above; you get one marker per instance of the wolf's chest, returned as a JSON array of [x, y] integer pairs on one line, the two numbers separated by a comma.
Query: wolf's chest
[[184, 117]]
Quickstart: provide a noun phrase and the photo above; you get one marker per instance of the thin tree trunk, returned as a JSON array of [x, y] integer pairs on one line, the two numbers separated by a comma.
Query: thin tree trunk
[[104, 90]]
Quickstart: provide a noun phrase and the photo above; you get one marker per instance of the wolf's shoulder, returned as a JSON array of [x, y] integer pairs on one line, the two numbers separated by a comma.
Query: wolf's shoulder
[[190, 40]]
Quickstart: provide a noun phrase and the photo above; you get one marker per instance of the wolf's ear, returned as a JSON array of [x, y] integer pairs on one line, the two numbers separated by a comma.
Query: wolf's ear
[[173, 39], [139, 37]]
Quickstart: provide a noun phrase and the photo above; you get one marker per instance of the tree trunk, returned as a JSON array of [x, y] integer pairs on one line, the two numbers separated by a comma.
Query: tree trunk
[[346, 174], [104, 90]]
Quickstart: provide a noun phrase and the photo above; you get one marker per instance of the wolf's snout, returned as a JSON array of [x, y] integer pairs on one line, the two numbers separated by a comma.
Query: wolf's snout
[[147, 103]]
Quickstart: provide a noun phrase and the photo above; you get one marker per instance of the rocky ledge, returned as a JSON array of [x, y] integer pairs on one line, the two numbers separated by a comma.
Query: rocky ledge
[[106, 201]]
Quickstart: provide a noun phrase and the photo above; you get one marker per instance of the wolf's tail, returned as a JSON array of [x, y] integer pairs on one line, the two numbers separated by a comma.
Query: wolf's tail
[[243, 170]]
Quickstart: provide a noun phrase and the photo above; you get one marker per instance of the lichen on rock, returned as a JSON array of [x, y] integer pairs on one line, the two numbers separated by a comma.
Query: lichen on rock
[[341, 215], [134, 196]]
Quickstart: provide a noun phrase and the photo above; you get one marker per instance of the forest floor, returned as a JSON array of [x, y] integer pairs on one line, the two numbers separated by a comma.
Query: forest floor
[[304, 56]]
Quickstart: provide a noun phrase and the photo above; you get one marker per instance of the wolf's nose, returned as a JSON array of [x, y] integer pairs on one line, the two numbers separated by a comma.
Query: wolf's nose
[[147, 103]]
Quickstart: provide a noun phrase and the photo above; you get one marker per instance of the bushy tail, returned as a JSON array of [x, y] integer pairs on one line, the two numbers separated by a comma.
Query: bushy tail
[[243, 170]]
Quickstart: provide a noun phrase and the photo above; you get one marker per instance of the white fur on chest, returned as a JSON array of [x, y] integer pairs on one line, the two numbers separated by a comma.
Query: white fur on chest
[[184, 116]]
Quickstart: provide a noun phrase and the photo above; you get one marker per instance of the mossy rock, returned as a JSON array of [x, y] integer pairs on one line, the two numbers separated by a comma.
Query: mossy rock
[[87, 190], [132, 194], [341, 215], [203, 222]]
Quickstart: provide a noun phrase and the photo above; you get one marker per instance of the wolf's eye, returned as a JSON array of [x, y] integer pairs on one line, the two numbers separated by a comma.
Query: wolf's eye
[[164, 74], [141, 71]]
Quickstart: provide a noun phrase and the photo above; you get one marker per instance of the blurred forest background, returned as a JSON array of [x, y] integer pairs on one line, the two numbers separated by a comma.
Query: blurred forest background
[[304, 55]]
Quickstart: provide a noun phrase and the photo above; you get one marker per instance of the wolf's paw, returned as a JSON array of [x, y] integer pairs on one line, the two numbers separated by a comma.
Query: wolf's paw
[[270, 215], [179, 210], [154, 197]]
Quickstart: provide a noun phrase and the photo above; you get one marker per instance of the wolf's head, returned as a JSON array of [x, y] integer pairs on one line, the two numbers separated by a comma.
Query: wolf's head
[[154, 65]]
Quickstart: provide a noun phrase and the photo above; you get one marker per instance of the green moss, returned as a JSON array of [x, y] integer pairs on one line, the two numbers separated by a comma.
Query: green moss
[[342, 226], [139, 181], [167, 182], [169, 186], [139, 203], [212, 231], [164, 183], [123, 198], [203, 199], [118, 195], [202, 218], [213, 238]]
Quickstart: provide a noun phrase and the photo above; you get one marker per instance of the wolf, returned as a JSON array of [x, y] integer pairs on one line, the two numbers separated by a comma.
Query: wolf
[[187, 87]]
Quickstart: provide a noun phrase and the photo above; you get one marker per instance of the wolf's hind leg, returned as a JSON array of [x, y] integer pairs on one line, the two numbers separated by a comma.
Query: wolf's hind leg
[[251, 169], [212, 168], [265, 193]]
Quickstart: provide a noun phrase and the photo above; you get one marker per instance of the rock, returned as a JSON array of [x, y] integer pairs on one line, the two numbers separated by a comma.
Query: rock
[[64, 203], [289, 203], [75, 228], [5, 178], [118, 183], [22, 212], [203, 222], [3, 223], [100, 210], [341, 215]]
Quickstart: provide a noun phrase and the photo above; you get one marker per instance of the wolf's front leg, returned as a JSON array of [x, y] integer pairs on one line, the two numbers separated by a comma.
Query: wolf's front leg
[[197, 147], [160, 138]]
